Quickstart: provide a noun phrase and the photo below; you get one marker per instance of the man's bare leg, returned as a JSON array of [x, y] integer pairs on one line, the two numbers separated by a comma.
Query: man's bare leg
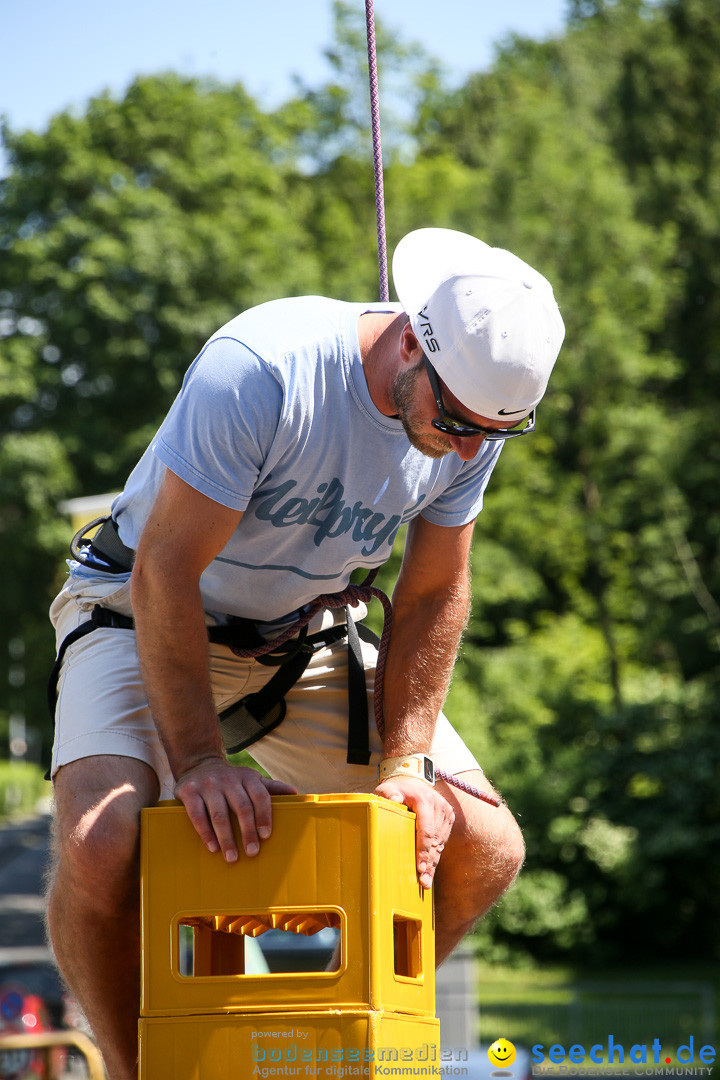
[[481, 860], [94, 893]]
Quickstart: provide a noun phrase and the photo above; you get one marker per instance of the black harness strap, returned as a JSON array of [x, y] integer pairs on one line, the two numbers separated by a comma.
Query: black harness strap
[[358, 744], [100, 617], [243, 634], [247, 720]]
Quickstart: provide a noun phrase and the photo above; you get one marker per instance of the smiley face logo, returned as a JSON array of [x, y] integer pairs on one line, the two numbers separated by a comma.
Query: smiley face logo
[[501, 1053]]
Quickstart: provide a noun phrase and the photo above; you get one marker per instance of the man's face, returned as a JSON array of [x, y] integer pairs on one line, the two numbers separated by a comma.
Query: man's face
[[415, 406], [409, 402]]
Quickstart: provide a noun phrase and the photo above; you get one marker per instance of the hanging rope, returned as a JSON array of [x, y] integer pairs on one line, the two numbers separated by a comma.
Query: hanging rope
[[377, 151], [385, 295]]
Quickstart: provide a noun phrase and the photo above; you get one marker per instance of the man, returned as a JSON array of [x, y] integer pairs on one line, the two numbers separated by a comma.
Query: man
[[305, 434]]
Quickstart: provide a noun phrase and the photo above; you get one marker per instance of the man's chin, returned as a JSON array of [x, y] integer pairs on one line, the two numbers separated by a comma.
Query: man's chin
[[429, 447]]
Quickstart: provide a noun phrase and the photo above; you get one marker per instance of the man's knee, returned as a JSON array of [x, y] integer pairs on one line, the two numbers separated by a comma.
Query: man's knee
[[483, 857], [97, 828], [496, 851], [508, 852]]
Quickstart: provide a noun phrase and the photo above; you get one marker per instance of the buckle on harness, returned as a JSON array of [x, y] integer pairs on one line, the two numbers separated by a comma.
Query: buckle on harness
[[106, 543]]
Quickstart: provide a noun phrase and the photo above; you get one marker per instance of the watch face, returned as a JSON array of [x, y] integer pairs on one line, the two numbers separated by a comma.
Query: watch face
[[429, 770]]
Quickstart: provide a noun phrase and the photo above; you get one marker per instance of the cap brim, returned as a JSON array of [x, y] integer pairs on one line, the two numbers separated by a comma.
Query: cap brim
[[425, 258]]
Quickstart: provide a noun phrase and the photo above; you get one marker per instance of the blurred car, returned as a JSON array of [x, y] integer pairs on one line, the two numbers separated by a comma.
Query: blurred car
[[32, 1001], [284, 951], [35, 970], [22, 1013]]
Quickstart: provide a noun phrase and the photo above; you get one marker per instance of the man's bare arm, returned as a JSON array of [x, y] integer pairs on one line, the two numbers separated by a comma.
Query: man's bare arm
[[430, 606], [184, 532]]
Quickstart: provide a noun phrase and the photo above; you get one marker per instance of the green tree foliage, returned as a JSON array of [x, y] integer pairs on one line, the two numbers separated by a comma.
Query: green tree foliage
[[593, 653], [128, 235], [133, 232], [588, 686]]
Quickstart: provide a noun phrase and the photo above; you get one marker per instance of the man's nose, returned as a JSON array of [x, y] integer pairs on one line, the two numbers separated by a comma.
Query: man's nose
[[466, 448]]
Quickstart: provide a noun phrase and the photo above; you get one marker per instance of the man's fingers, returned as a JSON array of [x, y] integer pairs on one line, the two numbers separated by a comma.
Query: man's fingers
[[219, 814], [207, 809], [209, 813], [434, 820], [253, 808], [216, 792], [197, 813], [431, 832]]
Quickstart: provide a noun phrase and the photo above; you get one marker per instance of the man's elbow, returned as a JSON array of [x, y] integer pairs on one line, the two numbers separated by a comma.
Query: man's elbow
[[149, 578], [449, 605]]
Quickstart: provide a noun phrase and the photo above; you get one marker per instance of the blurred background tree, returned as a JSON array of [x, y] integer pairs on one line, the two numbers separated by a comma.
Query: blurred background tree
[[589, 682]]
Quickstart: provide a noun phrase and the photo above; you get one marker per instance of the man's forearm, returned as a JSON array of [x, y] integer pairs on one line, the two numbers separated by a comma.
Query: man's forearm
[[173, 651], [423, 647]]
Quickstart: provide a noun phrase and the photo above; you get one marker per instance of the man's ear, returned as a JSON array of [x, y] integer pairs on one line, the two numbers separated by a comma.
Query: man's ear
[[410, 350]]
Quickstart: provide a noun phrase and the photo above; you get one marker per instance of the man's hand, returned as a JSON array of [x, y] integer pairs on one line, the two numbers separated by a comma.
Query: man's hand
[[214, 790], [434, 820]]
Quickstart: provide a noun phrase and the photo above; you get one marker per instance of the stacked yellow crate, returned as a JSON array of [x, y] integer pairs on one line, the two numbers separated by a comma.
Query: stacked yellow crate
[[342, 861]]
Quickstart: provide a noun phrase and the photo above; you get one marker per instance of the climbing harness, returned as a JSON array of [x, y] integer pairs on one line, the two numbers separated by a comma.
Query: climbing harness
[[247, 720]]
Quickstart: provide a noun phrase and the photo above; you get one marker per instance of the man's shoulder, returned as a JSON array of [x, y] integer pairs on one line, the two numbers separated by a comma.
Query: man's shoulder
[[296, 322], [288, 322]]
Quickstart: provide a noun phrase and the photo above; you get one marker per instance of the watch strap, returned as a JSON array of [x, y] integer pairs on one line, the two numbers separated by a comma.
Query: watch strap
[[417, 766]]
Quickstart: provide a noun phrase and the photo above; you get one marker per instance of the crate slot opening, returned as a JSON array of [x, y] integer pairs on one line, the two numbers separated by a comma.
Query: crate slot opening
[[407, 947], [259, 943]]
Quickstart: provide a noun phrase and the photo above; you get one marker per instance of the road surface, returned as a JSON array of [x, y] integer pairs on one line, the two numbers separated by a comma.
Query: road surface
[[24, 859]]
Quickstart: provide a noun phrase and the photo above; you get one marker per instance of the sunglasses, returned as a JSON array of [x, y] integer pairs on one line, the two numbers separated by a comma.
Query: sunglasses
[[447, 424]]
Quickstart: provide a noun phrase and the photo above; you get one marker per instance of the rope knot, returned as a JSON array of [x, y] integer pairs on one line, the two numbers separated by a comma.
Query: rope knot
[[350, 596]]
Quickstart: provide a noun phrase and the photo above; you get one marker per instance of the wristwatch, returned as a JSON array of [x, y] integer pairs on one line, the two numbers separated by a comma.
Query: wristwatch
[[418, 766]]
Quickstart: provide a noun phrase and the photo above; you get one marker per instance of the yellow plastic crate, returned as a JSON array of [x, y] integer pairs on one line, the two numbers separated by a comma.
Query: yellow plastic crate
[[322, 1044], [346, 861]]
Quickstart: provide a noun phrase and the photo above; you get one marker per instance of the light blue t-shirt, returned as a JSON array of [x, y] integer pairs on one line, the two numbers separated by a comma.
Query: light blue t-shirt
[[274, 418]]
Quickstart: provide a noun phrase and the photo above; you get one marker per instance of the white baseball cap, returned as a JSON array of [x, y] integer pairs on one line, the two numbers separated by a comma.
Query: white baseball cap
[[487, 322]]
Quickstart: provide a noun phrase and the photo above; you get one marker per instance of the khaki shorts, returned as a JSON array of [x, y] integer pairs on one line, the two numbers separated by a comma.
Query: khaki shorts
[[103, 709]]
